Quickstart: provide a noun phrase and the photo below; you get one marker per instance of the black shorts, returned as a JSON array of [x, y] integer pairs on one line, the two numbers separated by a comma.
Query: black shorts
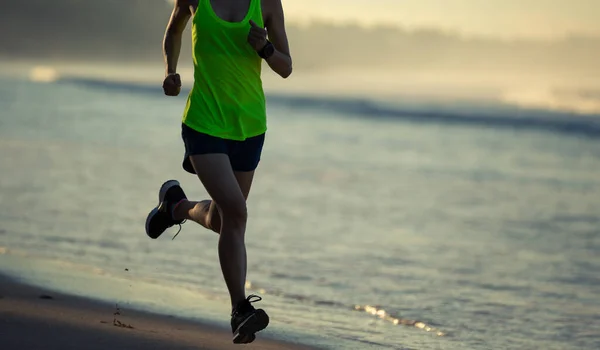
[[243, 155]]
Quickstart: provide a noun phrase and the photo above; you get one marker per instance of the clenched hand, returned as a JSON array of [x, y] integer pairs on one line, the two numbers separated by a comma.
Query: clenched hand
[[257, 37], [172, 84]]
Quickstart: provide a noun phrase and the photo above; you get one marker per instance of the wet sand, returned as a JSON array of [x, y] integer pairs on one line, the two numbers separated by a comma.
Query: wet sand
[[33, 318]]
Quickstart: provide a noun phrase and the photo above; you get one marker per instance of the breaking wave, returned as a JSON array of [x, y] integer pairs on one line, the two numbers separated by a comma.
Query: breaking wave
[[491, 115]]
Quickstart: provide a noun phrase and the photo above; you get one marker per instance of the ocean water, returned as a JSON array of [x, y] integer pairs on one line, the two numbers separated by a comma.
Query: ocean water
[[372, 225]]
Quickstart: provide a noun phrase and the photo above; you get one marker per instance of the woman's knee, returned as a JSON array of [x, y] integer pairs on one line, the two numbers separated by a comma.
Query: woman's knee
[[234, 212]]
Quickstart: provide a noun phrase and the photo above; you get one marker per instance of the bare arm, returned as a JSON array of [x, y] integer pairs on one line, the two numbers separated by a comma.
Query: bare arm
[[281, 61], [174, 32]]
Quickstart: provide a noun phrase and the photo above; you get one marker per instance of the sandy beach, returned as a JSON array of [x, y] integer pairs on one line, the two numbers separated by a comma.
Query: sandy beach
[[33, 318]]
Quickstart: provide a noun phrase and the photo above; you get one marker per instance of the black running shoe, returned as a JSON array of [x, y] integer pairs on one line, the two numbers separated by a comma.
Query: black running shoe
[[246, 320], [161, 218]]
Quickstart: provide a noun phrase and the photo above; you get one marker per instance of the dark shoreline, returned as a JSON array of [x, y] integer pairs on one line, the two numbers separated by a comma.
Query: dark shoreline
[[34, 318]]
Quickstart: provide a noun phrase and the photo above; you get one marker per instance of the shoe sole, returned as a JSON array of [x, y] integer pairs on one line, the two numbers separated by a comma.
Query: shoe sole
[[245, 332], [161, 197]]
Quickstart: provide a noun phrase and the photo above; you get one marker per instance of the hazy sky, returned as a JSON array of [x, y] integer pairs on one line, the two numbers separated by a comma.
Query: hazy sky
[[504, 18]]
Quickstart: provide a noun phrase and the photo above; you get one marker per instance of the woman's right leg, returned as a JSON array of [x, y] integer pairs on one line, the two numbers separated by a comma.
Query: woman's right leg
[[204, 213]]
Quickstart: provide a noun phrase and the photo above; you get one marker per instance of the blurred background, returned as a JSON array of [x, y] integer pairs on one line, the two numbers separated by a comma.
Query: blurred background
[[537, 54], [431, 177]]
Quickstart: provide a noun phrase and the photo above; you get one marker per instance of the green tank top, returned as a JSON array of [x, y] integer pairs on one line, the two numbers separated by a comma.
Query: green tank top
[[227, 99]]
